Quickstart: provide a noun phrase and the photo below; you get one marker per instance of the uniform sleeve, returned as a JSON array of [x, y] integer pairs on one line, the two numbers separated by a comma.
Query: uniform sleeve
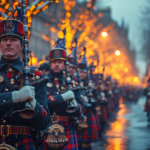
[[42, 118], [6, 104], [55, 101]]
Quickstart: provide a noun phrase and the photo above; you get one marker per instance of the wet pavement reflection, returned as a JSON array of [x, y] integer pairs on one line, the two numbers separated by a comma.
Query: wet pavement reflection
[[127, 129], [116, 138]]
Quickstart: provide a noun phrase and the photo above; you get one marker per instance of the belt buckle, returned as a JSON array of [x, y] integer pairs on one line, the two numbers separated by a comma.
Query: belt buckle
[[6, 129]]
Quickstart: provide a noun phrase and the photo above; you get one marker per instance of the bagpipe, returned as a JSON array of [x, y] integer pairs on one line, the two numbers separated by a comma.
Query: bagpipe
[[27, 112], [90, 83], [56, 136]]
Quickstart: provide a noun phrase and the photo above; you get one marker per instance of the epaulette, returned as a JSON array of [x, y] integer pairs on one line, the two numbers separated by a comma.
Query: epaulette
[[38, 76]]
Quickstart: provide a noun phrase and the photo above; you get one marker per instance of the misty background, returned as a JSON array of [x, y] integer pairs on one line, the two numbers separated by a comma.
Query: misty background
[[129, 11]]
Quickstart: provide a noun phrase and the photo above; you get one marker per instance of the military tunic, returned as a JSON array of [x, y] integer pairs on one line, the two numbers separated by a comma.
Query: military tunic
[[7, 107], [57, 105]]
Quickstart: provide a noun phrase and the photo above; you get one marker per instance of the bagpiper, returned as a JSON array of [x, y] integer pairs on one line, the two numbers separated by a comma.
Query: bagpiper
[[116, 92], [103, 103], [63, 104], [96, 96], [89, 134], [109, 96], [16, 128], [73, 64]]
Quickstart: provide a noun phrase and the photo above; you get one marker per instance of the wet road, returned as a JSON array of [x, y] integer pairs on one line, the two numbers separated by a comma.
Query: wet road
[[129, 130]]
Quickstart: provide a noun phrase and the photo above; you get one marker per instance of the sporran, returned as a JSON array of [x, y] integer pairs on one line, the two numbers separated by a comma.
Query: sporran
[[56, 138]]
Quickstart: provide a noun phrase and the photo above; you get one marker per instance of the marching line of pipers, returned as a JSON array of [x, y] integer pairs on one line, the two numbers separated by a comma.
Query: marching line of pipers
[[60, 106]]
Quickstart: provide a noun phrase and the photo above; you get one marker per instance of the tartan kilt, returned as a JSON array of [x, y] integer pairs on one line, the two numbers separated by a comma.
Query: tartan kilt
[[90, 134], [111, 106], [147, 107], [72, 143], [97, 121], [104, 113], [19, 141]]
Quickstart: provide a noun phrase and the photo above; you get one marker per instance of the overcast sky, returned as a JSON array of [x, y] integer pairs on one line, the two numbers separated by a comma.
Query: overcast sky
[[130, 11]]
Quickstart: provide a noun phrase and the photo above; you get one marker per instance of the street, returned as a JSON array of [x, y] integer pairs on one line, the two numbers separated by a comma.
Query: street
[[127, 129]]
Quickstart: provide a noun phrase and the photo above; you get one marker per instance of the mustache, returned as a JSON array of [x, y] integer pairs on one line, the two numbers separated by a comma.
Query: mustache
[[8, 48], [56, 67]]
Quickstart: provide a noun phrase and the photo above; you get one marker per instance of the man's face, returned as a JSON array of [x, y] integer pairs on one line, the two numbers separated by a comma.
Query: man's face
[[83, 75], [45, 71], [72, 70], [57, 65], [10, 47]]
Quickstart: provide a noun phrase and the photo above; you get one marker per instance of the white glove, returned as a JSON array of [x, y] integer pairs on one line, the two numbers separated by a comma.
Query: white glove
[[110, 92], [33, 103], [75, 102], [68, 95], [85, 99], [102, 94], [24, 94]]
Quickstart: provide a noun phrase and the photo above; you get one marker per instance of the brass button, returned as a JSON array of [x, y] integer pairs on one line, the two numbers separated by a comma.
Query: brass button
[[57, 86], [4, 121], [10, 70], [57, 92], [37, 110], [56, 79], [49, 84], [1, 79], [12, 81], [4, 101], [6, 90]]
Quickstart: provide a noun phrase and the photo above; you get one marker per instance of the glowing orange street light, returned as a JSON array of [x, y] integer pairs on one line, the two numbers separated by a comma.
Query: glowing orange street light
[[126, 69], [104, 34], [135, 79], [117, 52]]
